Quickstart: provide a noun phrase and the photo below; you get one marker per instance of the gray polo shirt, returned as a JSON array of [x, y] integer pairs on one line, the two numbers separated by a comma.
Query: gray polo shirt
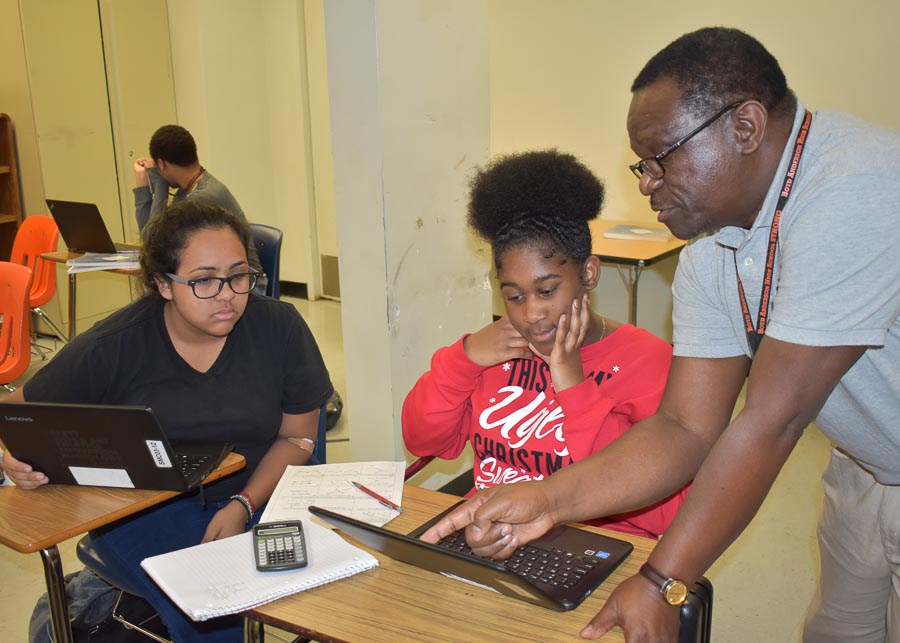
[[837, 279]]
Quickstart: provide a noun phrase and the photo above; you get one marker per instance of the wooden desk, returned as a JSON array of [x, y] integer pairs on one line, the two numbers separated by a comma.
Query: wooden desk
[[399, 602], [39, 520], [63, 257], [630, 256]]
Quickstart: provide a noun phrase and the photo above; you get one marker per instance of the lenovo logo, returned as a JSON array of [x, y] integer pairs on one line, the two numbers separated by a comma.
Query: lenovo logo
[[17, 418]]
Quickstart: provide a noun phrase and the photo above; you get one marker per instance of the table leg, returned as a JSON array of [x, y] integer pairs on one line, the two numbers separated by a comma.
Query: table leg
[[630, 277], [254, 631], [56, 595], [71, 307]]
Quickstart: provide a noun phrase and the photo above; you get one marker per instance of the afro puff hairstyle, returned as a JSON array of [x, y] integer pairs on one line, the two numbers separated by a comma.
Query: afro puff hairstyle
[[541, 199]]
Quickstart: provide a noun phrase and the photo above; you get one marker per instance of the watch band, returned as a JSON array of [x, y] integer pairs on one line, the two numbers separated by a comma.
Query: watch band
[[652, 574], [672, 590]]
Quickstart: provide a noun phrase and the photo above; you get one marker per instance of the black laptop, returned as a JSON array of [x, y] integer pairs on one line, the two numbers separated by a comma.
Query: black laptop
[[557, 571], [82, 228], [106, 446]]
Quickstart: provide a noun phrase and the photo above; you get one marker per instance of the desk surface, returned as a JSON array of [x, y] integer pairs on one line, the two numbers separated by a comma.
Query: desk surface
[[38, 519], [631, 251], [399, 602]]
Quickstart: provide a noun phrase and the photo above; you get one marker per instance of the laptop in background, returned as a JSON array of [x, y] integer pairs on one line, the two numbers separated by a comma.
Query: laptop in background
[[107, 446], [557, 571], [83, 229]]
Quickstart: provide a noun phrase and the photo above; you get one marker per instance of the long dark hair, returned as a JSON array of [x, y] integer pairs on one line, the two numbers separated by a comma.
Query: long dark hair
[[167, 233]]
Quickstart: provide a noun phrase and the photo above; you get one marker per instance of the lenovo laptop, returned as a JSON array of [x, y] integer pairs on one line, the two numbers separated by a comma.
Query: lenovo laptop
[[82, 228], [107, 446], [557, 571]]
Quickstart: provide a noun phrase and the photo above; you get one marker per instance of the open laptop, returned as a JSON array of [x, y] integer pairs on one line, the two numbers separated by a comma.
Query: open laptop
[[557, 571], [82, 228], [108, 446]]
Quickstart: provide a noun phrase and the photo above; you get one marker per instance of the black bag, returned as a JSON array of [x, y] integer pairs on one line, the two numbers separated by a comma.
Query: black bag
[[91, 601]]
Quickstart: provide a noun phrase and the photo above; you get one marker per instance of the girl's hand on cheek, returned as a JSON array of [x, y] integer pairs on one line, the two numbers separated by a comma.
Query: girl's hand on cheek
[[565, 361]]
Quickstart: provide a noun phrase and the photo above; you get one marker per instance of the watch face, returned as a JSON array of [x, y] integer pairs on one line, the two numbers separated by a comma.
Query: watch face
[[675, 592]]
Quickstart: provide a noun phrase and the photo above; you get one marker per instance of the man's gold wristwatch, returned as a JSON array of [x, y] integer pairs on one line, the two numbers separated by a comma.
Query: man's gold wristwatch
[[673, 591]]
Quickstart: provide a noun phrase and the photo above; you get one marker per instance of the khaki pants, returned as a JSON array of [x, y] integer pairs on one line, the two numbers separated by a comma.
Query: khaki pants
[[858, 598]]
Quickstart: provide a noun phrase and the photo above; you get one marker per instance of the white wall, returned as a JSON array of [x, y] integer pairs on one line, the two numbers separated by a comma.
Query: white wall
[[240, 86], [82, 72], [409, 114], [15, 100]]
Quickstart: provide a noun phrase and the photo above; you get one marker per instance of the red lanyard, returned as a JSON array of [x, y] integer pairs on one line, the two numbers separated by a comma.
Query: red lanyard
[[755, 335]]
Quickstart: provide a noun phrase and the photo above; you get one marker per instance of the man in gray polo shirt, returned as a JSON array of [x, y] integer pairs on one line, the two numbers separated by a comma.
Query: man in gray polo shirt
[[795, 289]]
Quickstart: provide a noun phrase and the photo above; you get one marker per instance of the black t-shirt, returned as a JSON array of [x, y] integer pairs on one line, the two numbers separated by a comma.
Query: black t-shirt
[[270, 365]]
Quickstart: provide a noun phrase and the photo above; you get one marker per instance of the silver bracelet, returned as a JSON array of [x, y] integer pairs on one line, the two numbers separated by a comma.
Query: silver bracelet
[[241, 499]]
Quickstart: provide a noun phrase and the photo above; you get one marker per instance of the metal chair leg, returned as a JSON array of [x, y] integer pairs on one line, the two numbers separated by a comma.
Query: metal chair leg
[[134, 626], [254, 631], [56, 331]]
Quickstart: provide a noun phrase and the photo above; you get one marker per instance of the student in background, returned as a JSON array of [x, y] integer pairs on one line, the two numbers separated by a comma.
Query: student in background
[[213, 361], [551, 382], [173, 163]]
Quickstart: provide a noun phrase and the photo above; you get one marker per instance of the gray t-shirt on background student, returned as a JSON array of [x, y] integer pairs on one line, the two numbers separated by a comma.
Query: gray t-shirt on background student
[[837, 280], [152, 198]]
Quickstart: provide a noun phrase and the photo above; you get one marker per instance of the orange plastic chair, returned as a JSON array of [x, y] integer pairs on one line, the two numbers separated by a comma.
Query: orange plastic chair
[[15, 329], [37, 235]]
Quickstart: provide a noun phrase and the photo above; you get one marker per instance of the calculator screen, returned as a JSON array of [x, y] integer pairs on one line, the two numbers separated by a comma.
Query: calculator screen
[[277, 531]]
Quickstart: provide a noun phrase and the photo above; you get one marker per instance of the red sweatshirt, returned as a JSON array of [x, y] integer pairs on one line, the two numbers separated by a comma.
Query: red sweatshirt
[[520, 429]]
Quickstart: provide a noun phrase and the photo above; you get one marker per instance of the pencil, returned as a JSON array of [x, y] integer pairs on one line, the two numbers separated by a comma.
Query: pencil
[[384, 501]]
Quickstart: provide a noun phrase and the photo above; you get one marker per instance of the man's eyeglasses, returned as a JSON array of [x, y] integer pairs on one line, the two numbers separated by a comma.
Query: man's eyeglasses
[[653, 166], [209, 287]]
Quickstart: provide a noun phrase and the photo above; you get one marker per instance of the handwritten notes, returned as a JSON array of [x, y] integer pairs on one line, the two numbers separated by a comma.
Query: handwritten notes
[[331, 486]]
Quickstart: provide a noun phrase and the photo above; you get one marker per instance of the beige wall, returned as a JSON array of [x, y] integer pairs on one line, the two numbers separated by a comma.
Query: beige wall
[[410, 108], [15, 100], [561, 72], [241, 89]]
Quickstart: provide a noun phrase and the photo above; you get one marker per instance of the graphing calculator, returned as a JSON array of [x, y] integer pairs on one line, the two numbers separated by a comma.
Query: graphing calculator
[[279, 545]]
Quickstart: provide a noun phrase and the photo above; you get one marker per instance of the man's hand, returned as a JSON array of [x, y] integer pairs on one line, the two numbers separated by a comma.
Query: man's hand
[[140, 170], [22, 474], [230, 520], [499, 519], [496, 343], [566, 369], [638, 608]]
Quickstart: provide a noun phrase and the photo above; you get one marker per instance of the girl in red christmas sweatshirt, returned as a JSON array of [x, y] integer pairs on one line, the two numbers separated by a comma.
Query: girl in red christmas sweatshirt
[[551, 382]]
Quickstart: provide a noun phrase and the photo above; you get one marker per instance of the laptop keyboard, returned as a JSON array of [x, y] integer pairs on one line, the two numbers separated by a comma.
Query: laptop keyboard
[[553, 567], [190, 463]]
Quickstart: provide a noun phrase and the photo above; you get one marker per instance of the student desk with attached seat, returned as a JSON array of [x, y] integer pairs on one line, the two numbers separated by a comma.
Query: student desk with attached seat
[[399, 602], [40, 519], [62, 257], [631, 255]]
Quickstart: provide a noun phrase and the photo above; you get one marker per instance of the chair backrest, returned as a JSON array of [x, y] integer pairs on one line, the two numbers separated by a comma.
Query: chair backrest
[[37, 235], [416, 466], [268, 244], [15, 338]]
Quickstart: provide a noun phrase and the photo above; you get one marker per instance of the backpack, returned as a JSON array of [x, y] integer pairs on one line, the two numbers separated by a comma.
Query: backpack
[[91, 602]]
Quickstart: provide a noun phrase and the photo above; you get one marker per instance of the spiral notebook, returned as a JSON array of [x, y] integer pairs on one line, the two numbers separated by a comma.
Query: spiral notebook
[[220, 577]]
